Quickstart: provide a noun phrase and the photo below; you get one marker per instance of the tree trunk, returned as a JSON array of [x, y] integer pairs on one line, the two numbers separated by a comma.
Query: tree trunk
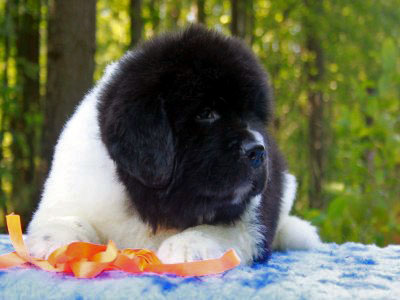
[[242, 19], [4, 99], [154, 7], [70, 64], [28, 81], [315, 74], [26, 20], [234, 17], [250, 22], [135, 14], [173, 13], [201, 14]]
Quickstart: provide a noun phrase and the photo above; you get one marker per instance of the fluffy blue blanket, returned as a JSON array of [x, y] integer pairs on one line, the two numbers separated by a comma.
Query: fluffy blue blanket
[[349, 271]]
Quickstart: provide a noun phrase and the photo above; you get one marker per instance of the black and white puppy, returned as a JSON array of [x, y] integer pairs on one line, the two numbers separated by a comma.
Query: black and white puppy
[[170, 152]]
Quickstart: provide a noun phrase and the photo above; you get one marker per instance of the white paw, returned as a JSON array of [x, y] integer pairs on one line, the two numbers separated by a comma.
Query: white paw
[[47, 236], [188, 246]]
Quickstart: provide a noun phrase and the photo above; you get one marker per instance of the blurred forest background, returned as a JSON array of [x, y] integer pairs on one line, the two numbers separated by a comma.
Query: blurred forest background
[[334, 65]]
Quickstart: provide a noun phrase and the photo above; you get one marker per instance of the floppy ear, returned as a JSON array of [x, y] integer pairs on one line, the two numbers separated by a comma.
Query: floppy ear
[[139, 139]]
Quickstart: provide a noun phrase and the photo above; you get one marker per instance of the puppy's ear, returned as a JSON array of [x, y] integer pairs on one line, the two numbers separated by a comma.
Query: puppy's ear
[[139, 139]]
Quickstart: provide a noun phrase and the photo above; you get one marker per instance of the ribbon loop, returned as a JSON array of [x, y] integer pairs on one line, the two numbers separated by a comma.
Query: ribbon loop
[[86, 260]]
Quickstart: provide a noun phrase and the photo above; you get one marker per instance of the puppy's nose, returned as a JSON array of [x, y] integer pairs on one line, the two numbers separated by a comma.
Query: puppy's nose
[[255, 153]]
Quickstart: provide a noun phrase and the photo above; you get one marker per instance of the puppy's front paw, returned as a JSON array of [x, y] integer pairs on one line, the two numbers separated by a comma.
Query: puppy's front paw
[[55, 232], [188, 246], [42, 244]]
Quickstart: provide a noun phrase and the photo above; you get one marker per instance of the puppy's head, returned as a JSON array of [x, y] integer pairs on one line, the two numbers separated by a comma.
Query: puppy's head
[[184, 118]]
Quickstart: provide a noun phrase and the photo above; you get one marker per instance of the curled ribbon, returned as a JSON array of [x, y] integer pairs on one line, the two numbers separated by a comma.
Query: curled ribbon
[[86, 260]]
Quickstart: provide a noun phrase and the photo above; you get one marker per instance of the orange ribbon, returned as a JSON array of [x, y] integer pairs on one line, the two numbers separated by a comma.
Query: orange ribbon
[[86, 260]]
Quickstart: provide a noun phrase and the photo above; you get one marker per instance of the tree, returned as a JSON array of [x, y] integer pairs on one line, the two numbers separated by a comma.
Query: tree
[[315, 67], [154, 8], [24, 21], [235, 13], [70, 64], [201, 14], [242, 19], [135, 14], [173, 12], [6, 39]]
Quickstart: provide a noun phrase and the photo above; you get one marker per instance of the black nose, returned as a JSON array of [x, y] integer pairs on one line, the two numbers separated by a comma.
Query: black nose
[[255, 153]]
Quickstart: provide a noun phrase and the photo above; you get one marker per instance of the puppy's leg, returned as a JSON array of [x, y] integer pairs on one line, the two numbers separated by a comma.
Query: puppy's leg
[[209, 241], [47, 234], [295, 234], [292, 232]]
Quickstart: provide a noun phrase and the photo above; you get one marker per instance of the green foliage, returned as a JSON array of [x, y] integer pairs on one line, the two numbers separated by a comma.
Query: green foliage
[[360, 85]]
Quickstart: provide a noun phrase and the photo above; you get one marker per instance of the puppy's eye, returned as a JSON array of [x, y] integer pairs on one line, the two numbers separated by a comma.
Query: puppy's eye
[[207, 115]]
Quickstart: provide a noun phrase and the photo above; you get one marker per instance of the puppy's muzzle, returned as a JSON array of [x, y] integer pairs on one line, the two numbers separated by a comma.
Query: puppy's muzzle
[[254, 152]]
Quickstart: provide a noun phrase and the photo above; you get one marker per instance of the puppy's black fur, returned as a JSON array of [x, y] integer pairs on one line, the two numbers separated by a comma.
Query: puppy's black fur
[[180, 169]]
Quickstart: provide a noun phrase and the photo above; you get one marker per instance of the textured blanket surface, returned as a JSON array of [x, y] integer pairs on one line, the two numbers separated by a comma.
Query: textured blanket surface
[[349, 271]]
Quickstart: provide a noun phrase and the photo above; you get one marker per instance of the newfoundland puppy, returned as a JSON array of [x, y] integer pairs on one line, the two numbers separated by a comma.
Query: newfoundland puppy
[[170, 152]]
